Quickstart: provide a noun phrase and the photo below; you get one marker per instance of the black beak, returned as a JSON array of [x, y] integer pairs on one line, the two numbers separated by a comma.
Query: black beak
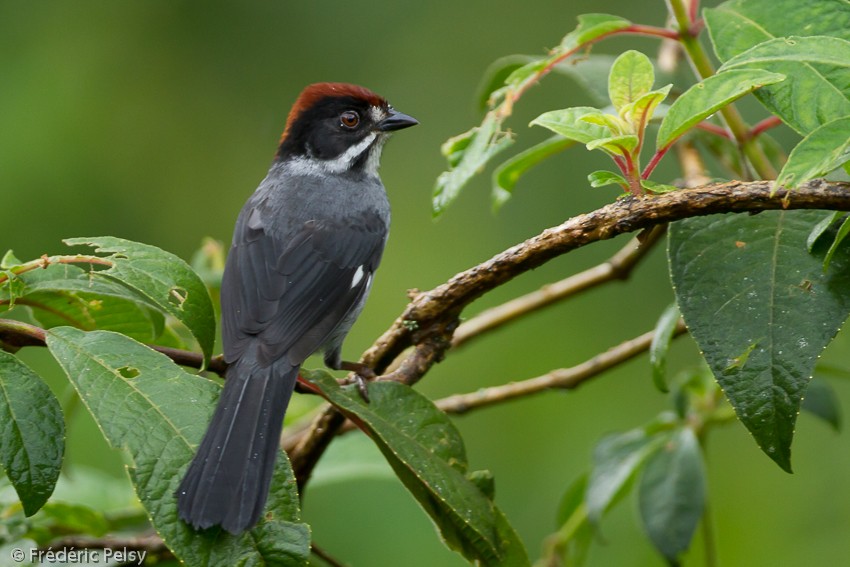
[[396, 121]]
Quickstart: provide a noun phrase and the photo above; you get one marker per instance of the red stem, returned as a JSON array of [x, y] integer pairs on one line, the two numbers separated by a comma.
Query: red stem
[[764, 125], [693, 11], [650, 167], [714, 129], [635, 29]]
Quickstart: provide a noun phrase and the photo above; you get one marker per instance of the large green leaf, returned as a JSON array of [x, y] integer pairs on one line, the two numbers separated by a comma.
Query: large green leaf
[[826, 148], [671, 494], [32, 433], [761, 309], [427, 454], [707, 97], [157, 413], [817, 85], [161, 279], [63, 294], [814, 92], [737, 25]]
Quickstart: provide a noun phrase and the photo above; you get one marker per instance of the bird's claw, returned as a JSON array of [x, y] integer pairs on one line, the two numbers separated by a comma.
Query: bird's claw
[[361, 378]]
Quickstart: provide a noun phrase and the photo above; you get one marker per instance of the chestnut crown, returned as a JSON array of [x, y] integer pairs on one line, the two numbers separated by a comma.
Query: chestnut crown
[[330, 121]]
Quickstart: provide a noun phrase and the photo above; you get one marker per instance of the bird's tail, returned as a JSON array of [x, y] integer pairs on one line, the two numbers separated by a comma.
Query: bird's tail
[[228, 481]]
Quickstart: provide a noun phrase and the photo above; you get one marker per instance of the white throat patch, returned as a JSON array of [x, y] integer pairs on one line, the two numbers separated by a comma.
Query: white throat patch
[[372, 143]]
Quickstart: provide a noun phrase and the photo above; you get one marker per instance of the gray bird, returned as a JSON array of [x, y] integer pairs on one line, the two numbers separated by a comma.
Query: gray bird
[[305, 247]]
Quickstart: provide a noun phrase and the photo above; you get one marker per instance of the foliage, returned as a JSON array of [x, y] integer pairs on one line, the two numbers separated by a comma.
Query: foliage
[[762, 296]]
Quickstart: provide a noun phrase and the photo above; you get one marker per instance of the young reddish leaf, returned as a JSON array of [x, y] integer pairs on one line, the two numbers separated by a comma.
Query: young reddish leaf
[[569, 123], [640, 112], [632, 76], [615, 145]]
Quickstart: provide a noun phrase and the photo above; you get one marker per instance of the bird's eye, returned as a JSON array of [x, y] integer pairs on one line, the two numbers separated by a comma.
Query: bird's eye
[[349, 119]]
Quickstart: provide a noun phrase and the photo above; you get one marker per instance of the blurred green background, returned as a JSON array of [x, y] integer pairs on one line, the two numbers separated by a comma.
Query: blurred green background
[[154, 121]]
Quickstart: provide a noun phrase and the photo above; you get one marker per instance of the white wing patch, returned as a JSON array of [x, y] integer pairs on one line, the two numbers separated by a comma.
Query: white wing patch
[[358, 275]]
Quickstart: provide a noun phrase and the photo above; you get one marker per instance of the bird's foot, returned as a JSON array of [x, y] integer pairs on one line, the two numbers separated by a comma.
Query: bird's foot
[[362, 375]]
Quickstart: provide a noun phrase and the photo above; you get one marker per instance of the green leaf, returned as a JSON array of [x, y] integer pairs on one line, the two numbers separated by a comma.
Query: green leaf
[[160, 278], [707, 97], [591, 27], [426, 452], [640, 112], [62, 294], [822, 227], [664, 329], [616, 460], [824, 149], [737, 25], [155, 411], [590, 72], [9, 261], [843, 230], [615, 145], [569, 124], [655, 187], [602, 178], [575, 534], [817, 85], [67, 517], [671, 494], [761, 310], [496, 75], [32, 433], [822, 402], [616, 126], [467, 155], [506, 176], [632, 76]]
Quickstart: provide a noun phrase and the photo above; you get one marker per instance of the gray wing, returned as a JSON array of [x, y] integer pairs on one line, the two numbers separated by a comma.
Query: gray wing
[[292, 293]]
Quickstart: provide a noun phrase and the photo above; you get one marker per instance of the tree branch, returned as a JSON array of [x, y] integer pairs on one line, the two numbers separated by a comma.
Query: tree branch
[[563, 378], [429, 320], [618, 267], [16, 334]]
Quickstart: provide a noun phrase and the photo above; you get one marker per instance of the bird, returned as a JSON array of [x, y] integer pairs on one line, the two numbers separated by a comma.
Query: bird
[[305, 247]]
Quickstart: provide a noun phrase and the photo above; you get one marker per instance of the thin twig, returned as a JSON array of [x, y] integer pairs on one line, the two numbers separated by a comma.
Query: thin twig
[[428, 319], [325, 556], [618, 267], [16, 334], [563, 378]]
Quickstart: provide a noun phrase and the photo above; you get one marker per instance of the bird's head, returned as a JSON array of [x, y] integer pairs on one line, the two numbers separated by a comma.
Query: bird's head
[[337, 128]]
